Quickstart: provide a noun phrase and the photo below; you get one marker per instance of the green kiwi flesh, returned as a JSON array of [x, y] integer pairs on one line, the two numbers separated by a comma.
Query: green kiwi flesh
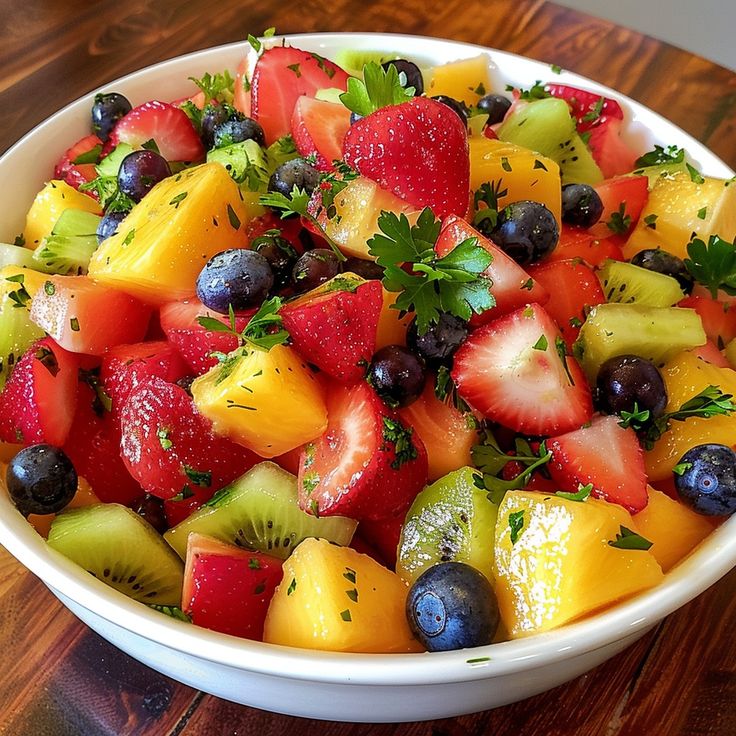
[[353, 60], [122, 550], [17, 332], [626, 283], [259, 511], [450, 520]]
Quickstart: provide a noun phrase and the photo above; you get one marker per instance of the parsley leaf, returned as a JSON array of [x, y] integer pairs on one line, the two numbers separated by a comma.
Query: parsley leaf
[[595, 112], [536, 92], [396, 434], [714, 264], [620, 222], [660, 155], [582, 494], [626, 539], [219, 87], [516, 524], [379, 88], [485, 205]]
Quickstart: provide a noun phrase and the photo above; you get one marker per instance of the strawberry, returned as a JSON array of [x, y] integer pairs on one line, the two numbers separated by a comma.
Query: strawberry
[[575, 242], [418, 150], [719, 319], [39, 399], [281, 76], [381, 537], [336, 330], [76, 174], [623, 200], [512, 372], [170, 449], [612, 154], [166, 125], [606, 455], [589, 109], [318, 128], [367, 464], [711, 354]]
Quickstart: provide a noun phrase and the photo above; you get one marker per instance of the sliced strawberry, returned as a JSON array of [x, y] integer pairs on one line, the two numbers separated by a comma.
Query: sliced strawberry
[[719, 319], [367, 464], [382, 538], [606, 455], [589, 109], [281, 76], [318, 128], [170, 449], [624, 198], [573, 288], [418, 150], [75, 172], [39, 399], [511, 371], [241, 96], [226, 588], [575, 242], [167, 125], [612, 154], [334, 329], [512, 286]]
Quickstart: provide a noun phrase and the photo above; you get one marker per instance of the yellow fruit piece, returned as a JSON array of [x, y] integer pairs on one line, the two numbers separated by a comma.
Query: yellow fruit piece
[[167, 238], [561, 566], [686, 376], [7, 452], [516, 173], [47, 207], [32, 280], [336, 599], [730, 353], [467, 80], [683, 207], [268, 401], [673, 528], [392, 326]]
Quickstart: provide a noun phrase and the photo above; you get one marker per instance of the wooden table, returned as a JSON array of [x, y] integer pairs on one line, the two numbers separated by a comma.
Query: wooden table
[[57, 678]]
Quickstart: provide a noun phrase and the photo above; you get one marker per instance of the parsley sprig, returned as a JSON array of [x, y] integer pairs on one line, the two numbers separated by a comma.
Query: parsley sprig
[[453, 283], [713, 264], [660, 155], [485, 205], [218, 87], [627, 539], [379, 88]]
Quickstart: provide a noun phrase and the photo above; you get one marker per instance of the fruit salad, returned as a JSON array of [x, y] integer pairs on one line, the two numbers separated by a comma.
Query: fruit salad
[[354, 355]]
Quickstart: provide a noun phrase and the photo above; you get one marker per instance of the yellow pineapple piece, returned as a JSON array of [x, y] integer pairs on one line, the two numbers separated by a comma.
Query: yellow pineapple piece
[[162, 245], [47, 207], [392, 326], [268, 401], [730, 353], [467, 80], [685, 376], [336, 599], [673, 528], [683, 207], [561, 566], [517, 173]]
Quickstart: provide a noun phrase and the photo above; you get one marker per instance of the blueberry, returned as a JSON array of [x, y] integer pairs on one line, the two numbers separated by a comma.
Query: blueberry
[[314, 268], [457, 105], [140, 171], [107, 109], [109, 224], [708, 483], [397, 375], [41, 480], [151, 509], [279, 253], [451, 605], [354, 117], [411, 70], [626, 380], [527, 231], [439, 343], [495, 106], [236, 129], [655, 259], [212, 116], [238, 277], [295, 173], [368, 270], [581, 205]]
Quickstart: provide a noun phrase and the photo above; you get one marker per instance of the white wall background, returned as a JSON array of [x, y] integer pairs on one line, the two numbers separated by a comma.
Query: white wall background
[[705, 27]]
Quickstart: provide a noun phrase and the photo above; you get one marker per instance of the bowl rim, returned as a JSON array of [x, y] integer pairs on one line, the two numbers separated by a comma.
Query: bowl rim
[[712, 559]]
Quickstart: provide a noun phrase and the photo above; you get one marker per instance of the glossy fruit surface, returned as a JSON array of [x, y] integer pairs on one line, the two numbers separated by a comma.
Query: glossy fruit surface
[[397, 375], [629, 383], [236, 129], [236, 278], [439, 343], [708, 479], [107, 109], [581, 205], [495, 106], [411, 70], [659, 260], [526, 230], [314, 268], [295, 173], [140, 171]]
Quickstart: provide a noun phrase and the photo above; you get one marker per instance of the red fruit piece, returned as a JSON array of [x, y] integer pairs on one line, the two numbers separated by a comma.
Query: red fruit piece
[[719, 319], [167, 125], [318, 128], [623, 200], [76, 174], [281, 76], [336, 330], [418, 150], [575, 242], [612, 154], [606, 455], [227, 588], [512, 286], [512, 372], [39, 399], [589, 109], [573, 287], [381, 537], [170, 449], [367, 464]]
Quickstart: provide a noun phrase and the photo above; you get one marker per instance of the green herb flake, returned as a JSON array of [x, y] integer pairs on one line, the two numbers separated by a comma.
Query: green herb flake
[[660, 155], [345, 616], [477, 660], [233, 218], [292, 587], [399, 438], [595, 112], [626, 539], [516, 524], [651, 221], [695, 176], [202, 478], [540, 165], [541, 344], [555, 69], [681, 468], [582, 494], [163, 437], [171, 611], [89, 157], [295, 68], [350, 575], [184, 494], [129, 237], [49, 288], [702, 213], [352, 594], [620, 222], [535, 92], [74, 324], [178, 199], [505, 165], [713, 264], [254, 563]]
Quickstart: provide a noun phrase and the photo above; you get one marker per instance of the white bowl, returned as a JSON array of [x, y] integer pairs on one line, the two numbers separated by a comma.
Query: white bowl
[[336, 686]]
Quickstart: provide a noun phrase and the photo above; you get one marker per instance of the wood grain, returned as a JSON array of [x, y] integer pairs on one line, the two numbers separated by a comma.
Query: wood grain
[[58, 678]]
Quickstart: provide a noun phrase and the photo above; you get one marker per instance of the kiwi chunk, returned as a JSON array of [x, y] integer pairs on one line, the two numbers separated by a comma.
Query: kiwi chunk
[[655, 333], [450, 520], [353, 60], [122, 550], [628, 284], [15, 255], [259, 511], [546, 126]]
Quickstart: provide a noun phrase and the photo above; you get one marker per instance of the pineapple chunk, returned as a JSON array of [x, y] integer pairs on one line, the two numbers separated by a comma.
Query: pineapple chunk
[[392, 324], [683, 207], [167, 238], [561, 566], [268, 401], [336, 599], [467, 80]]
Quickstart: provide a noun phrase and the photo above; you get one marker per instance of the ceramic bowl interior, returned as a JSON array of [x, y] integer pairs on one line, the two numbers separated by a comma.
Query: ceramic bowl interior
[[326, 685]]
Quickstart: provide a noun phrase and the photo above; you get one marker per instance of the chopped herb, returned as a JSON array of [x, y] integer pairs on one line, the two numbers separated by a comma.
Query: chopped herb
[[345, 615], [129, 237], [183, 495], [396, 434], [74, 324], [582, 494], [528, 284], [620, 222], [539, 165], [541, 344], [48, 360], [324, 65], [555, 68], [516, 524], [575, 322], [295, 68], [651, 221], [695, 176], [350, 575], [593, 115], [265, 328], [480, 89], [488, 194], [254, 43], [714, 264], [477, 660], [505, 165], [292, 587], [660, 155], [379, 88], [102, 401], [702, 213], [254, 563], [89, 157], [178, 199], [561, 347], [681, 468], [232, 217], [536, 92], [171, 611], [626, 539], [19, 240], [202, 478], [20, 296], [352, 594], [163, 437], [49, 288]]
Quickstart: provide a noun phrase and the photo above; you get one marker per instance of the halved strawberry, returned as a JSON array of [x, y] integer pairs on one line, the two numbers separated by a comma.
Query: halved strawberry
[[418, 150], [169, 447], [166, 125], [606, 455], [512, 372], [39, 399], [367, 464], [75, 172], [623, 200], [281, 76], [511, 286], [318, 128], [612, 154], [575, 242], [334, 326]]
